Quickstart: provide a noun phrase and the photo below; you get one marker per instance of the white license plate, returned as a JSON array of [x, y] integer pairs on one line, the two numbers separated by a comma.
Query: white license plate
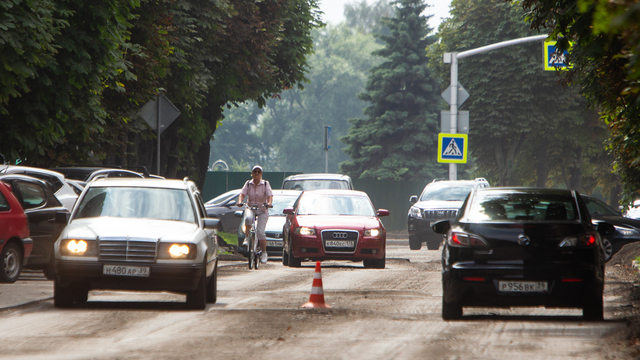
[[522, 286], [274, 243], [141, 271], [338, 243]]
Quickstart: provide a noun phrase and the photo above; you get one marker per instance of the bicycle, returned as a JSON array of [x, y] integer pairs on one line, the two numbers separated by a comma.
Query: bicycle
[[252, 242]]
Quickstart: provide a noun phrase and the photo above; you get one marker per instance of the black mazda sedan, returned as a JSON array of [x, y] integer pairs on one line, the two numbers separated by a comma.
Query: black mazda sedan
[[523, 247]]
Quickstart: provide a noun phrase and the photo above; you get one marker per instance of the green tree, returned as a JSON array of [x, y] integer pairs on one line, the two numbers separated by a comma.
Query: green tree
[[605, 58], [524, 126], [287, 132], [398, 139], [108, 58], [59, 55], [363, 17]]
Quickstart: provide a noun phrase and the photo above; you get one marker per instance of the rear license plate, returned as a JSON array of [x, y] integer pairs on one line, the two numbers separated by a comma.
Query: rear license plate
[[338, 243], [523, 286], [274, 243], [141, 271]]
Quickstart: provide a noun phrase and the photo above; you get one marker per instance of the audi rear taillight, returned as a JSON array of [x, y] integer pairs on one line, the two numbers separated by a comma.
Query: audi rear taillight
[[461, 239]]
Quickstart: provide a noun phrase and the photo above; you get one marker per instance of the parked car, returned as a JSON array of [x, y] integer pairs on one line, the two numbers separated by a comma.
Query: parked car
[[317, 181], [47, 217], [61, 188], [634, 211], [334, 225], [84, 174], [523, 247], [76, 186], [439, 200], [223, 207], [282, 199], [138, 234], [627, 230], [15, 243]]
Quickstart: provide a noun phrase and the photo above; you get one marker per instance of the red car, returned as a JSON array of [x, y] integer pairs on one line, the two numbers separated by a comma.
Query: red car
[[15, 244], [334, 225]]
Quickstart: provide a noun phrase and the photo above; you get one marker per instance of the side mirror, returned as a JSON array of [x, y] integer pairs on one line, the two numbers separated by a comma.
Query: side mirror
[[413, 199], [288, 211], [238, 213], [62, 217], [383, 212], [441, 227], [211, 223], [606, 229]]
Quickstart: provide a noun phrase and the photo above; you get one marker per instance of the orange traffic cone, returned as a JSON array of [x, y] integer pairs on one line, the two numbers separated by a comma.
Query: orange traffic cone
[[316, 299]]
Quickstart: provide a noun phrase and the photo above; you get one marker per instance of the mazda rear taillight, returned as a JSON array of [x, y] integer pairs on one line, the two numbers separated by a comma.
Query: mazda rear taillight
[[461, 239], [588, 239]]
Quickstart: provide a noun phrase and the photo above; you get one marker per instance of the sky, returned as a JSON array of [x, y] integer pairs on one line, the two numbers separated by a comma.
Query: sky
[[333, 10]]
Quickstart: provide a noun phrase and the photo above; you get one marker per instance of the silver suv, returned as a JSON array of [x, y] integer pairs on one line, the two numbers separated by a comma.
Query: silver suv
[[440, 200]]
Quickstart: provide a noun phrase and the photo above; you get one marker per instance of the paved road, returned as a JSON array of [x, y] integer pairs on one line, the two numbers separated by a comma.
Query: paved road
[[376, 314]]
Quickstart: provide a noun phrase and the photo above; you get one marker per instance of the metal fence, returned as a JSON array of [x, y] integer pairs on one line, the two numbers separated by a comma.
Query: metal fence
[[385, 194]]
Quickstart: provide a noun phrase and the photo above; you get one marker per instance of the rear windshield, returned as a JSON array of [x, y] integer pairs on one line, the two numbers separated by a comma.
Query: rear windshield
[[315, 184], [498, 206]]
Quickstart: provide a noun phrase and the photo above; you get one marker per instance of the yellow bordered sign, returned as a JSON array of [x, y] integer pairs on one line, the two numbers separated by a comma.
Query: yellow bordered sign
[[452, 148], [553, 59]]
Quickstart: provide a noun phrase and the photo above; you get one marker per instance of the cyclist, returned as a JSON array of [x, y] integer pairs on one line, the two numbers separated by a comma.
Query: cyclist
[[257, 192]]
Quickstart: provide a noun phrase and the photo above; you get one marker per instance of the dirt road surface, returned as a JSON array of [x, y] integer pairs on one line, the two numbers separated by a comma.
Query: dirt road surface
[[394, 313]]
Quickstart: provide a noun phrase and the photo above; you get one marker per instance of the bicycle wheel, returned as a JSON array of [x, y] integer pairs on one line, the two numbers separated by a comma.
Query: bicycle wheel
[[255, 250], [252, 252]]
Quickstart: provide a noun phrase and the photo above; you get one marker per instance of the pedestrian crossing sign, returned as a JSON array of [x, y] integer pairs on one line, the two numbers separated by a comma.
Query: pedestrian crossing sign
[[452, 148]]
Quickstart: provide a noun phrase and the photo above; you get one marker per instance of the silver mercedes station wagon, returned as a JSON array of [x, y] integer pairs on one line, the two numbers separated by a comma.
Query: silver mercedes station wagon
[[138, 234]]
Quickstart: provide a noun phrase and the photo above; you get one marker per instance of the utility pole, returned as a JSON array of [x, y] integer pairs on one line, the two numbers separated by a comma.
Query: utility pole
[[452, 58], [326, 146]]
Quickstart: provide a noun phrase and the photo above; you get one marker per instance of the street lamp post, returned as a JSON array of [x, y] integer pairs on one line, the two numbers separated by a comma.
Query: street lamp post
[[452, 58]]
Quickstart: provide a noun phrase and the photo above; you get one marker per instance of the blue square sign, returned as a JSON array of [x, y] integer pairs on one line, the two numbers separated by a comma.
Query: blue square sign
[[452, 148]]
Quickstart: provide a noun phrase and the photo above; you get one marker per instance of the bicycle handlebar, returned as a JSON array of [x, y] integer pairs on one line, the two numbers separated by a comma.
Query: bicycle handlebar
[[256, 207]]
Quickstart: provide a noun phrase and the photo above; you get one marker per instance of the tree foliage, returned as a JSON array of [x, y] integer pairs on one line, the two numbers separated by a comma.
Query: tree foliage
[[287, 133], [606, 66], [368, 18], [88, 67], [398, 139]]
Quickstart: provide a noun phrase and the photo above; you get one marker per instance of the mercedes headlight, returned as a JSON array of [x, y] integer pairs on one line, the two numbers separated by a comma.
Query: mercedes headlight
[[177, 251], [415, 212], [78, 247]]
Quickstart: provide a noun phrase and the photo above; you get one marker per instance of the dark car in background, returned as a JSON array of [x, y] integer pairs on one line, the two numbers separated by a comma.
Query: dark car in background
[[627, 230], [317, 181], [439, 200], [84, 174], [223, 207], [15, 243], [47, 217], [282, 199], [523, 247]]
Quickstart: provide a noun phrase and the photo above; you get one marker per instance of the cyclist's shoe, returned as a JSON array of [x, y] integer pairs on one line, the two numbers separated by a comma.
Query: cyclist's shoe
[[263, 257]]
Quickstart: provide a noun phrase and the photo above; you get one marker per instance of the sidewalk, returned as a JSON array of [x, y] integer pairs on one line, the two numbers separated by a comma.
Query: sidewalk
[[31, 286]]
